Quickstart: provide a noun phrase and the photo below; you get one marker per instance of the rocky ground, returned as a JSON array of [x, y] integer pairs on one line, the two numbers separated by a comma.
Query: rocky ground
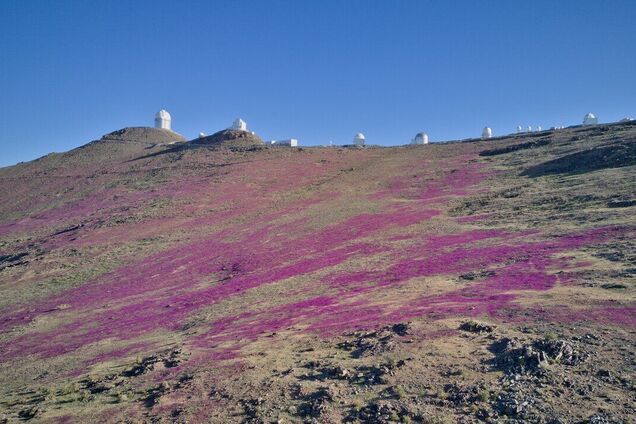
[[479, 281]]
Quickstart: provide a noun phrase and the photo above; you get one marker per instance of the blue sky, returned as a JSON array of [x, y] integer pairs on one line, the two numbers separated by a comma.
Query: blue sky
[[71, 71]]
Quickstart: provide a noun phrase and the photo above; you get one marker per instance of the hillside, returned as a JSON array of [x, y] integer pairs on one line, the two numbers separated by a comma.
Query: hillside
[[458, 282]]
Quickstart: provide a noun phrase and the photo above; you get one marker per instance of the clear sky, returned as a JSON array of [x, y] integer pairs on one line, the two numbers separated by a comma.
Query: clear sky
[[71, 71]]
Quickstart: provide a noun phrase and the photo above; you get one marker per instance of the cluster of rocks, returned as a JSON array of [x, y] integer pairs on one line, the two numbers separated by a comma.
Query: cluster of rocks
[[476, 327], [382, 412], [515, 402], [231, 137], [514, 356], [466, 395], [7, 261], [476, 275], [368, 375], [317, 403], [374, 342], [168, 360]]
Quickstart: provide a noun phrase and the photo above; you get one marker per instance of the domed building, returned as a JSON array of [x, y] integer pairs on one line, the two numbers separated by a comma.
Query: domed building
[[163, 120], [239, 125], [590, 119], [359, 139], [486, 133], [420, 138]]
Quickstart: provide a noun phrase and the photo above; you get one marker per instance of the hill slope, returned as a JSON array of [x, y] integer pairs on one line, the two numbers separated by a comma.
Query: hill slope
[[462, 281]]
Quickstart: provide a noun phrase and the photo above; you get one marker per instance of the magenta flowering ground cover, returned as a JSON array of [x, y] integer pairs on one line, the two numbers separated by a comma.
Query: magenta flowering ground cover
[[228, 285]]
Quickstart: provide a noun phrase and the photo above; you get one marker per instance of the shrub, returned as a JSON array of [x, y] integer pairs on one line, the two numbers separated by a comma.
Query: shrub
[[550, 337], [357, 404], [399, 392]]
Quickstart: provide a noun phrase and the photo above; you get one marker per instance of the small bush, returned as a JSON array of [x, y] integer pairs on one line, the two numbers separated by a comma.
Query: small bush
[[357, 404], [440, 394], [399, 392], [550, 337]]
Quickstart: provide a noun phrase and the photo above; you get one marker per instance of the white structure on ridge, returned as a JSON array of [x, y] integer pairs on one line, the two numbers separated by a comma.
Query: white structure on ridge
[[590, 119], [539, 129], [486, 133], [202, 134], [239, 125], [290, 142], [420, 138], [163, 120], [519, 129], [359, 139]]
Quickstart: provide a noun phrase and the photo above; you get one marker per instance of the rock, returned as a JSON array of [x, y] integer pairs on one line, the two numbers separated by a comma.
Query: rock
[[476, 327], [317, 403], [401, 329], [513, 356], [374, 342], [230, 137], [621, 203], [28, 413]]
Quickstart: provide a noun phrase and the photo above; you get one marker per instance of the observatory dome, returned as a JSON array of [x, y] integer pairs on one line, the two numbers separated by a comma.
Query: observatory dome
[[590, 119], [359, 139], [163, 119], [486, 133], [420, 138]]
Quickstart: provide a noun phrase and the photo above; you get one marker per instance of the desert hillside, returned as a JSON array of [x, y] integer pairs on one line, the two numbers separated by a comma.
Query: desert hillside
[[475, 281]]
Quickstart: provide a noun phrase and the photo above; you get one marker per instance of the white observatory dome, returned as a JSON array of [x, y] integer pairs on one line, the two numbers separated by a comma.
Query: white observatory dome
[[239, 125], [590, 119], [359, 139], [420, 138], [486, 133], [163, 120]]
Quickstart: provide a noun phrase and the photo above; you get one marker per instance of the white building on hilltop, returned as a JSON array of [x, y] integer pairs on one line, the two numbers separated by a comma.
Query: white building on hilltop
[[239, 125], [163, 120], [420, 138], [590, 119], [359, 139], [290, 142], [486, 133]]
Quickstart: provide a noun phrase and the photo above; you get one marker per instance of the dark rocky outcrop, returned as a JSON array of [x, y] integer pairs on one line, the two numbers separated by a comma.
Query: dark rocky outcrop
[[231, 137], [613, 156]]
